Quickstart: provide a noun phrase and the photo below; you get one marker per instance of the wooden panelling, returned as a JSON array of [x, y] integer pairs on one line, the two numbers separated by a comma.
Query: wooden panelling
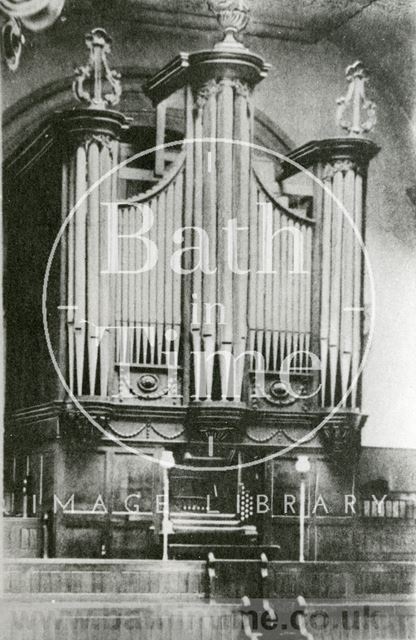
[[158, 621], [344, 538], [234, 578], [315, 580], [22, 537], [114, 506], [163, 621], [122, 600], [105, 576]]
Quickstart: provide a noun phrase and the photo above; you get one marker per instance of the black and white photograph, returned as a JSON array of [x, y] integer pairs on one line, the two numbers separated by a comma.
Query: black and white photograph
[[208, 320]]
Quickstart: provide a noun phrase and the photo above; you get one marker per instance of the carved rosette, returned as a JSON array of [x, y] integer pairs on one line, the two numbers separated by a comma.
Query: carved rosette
[[276, 393], [148, 387]]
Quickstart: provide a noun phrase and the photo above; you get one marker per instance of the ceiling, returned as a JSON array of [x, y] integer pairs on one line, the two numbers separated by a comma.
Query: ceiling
[[306, 20], [381, 32]]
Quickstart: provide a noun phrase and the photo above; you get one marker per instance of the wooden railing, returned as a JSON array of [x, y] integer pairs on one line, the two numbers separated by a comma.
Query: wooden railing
[[396, 508]]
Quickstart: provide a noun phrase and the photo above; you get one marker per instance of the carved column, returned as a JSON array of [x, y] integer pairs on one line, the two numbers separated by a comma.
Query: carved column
[[218, 85], [345, 165], [221, 170], [342, 310], [91, 152], [341, 164]]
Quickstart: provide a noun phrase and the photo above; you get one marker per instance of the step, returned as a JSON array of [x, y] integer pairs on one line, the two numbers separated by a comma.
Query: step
[[195, 528], [234, 552], [127, 599], [199, 514], [206, 521], [103, 576]]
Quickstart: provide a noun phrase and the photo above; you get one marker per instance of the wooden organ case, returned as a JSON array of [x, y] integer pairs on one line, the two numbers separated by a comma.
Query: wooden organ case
[[191, 289]]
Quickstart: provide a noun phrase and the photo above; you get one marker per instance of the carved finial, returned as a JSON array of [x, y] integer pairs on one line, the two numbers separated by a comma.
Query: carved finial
[[355, 98], [96, 73], [233, 17]]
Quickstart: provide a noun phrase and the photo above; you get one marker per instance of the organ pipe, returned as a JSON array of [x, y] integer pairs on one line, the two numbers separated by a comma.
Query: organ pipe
[[283, 283], [89, 301]]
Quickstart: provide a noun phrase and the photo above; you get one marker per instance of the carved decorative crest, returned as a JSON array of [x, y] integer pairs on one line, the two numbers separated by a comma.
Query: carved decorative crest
[[90, 79], [34, 15], [233, 17], [219, 433], [13, 41], [341, 442], [77, 431], [355, 100]]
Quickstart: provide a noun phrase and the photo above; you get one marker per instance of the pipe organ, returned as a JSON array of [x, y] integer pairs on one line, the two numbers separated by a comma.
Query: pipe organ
[[215, 283], [212, 303]]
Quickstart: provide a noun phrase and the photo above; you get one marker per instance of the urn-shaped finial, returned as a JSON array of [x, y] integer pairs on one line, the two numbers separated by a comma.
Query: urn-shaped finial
[[355, 102], [95, 83], [233, 17]]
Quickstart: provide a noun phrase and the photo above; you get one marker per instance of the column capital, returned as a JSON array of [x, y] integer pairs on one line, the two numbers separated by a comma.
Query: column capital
[[330, 151], [81, 124], [199, 67]]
